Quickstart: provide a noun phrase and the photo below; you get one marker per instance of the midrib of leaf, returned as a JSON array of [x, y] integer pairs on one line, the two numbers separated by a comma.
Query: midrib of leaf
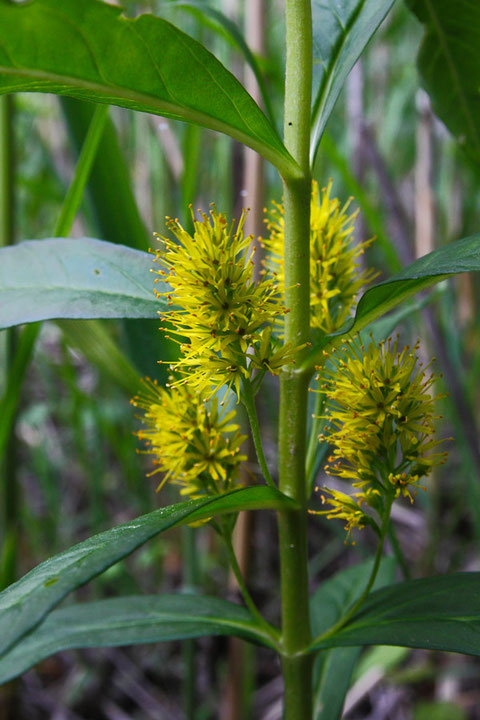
[[164, 617], [355, 626], [286, 165], [184, 618], [91, 291], [396, 605], [453, 71], [180, 111], [389, 622]]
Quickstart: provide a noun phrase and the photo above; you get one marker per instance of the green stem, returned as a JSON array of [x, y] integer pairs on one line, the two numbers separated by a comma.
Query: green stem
[[190, 584], [75, 192], [11, 396], [10, 490], [248, 400], [6, 171], [271, 631], [373, 574], [116, 216], [398, 552], [292, 525]]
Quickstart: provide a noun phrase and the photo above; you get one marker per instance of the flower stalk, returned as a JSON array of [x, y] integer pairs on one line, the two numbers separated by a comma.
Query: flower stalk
[[248, 400], [371, 580], [270, 630]]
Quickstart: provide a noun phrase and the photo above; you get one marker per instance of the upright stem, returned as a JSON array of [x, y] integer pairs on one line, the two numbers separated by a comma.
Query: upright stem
[[8, 476], [6, 170], [292, 525], [190, 584]]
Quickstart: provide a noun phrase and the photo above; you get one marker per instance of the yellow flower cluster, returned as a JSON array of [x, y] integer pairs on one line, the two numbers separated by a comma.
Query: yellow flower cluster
[[222, 316], [335, 276], [381, 421], [195, 444]]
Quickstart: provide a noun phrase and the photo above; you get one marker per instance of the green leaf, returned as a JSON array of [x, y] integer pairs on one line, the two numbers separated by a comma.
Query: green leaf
[[449, 65], [341, 30], [147, 64], [436, 613], [25, 603], [82, 278], [129, 621], [384, 326], [333, 669], [232, 33], [457, 257], [333, 681]]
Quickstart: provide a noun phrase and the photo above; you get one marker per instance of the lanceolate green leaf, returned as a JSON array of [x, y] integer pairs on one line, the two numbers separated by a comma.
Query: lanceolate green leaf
[[129, 621], [449, 65], [341, 31], [25, 603], [333, 669], [81, 278], [457, 257], [436, 613], [89, 50]]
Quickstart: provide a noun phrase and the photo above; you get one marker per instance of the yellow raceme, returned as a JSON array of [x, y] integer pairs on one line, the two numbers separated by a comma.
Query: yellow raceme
[[335, 275], [381, 424], [195, 443], [220, 313]]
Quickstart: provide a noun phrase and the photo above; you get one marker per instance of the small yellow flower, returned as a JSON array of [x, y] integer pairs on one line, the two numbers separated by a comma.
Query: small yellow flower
[[270, 354], [218, 309], [346, 508], [335, 276], [381, 421], [207, 372], [195, 444]]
